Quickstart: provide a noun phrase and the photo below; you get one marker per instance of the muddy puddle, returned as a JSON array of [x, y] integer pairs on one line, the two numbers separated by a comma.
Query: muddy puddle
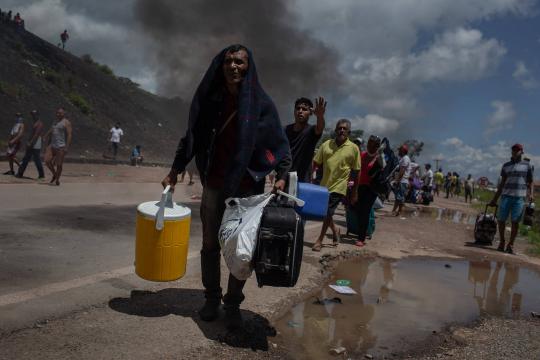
[[402, 302], [446, 215]]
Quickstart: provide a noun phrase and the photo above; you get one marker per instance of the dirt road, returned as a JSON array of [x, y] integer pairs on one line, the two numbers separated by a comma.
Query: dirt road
[[67, 288]]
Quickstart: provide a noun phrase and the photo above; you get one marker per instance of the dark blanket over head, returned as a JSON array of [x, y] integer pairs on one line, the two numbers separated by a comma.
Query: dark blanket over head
[[261, 143]]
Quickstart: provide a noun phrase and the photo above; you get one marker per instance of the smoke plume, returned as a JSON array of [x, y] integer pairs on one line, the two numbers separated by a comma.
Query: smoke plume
[[187, 34]]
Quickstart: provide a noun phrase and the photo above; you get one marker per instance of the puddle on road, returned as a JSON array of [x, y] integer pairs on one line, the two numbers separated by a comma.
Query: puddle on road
[[404, 301], [446, 215]]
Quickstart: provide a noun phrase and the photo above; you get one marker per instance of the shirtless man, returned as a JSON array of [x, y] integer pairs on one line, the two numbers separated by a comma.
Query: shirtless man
[[58, 139]]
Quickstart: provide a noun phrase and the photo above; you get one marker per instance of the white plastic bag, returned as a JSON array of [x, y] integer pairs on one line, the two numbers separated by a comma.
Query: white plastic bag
[[238, 232]]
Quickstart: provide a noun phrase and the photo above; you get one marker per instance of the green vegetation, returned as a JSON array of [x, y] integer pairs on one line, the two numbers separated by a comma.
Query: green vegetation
[[14, 91], [80, 102], [483, 196], [102, 67], [53, 77]]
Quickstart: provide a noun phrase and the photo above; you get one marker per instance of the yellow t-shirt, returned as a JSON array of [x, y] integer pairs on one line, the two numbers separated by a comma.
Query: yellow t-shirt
[[337, 162]]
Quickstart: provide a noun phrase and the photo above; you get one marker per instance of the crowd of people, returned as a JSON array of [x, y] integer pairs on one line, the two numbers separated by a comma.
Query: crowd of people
[[52, 145], [234, 139], [16, 20]]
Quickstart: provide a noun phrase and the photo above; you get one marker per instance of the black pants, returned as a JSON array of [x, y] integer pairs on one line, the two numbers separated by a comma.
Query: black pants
[[114, 148], [35, 155], [212, 209], [366, 199]]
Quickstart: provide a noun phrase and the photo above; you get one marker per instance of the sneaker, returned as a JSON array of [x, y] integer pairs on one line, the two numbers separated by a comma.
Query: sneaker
[[210, 310], [233, 318], [9, 172]]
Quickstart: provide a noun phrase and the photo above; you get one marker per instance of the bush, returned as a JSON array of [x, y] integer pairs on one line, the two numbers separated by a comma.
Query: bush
[[80, 103], [102, 67], [53, 77], [15, 91], [105, 69]]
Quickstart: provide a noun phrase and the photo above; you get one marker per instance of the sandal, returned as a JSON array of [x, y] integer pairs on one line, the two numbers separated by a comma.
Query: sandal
[[509, 250], [501, 247], [317, 247]]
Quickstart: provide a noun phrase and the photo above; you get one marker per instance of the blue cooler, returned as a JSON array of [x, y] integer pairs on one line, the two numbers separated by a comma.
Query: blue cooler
[[316, 198]]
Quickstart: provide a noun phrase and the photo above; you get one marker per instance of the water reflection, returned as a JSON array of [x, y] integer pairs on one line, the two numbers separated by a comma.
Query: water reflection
[[490, 300], [402, 301]]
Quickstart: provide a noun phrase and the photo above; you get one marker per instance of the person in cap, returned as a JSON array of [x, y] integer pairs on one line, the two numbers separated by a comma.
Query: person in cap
[[515, 187], [14, 143], [33, 147], [236, 137], [401, 183]]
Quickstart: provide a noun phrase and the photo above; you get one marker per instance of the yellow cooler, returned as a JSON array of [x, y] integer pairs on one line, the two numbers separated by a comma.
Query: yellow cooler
[[162, 239]]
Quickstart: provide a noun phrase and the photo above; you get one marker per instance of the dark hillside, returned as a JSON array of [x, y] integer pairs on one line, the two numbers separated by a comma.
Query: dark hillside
[[35, 74]]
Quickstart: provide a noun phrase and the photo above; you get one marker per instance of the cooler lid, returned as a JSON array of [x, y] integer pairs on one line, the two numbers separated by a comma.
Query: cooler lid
[[176, 212]]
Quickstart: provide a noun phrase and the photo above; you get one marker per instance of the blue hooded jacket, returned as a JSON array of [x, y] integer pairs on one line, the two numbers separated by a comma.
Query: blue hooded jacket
[[262, 145]]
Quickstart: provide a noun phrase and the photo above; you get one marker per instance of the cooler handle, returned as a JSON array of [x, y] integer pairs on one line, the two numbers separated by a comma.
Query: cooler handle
[[166, 201], [298, 201]]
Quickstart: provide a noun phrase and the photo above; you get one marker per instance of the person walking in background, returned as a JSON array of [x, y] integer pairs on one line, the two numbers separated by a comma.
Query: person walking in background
[[362, 201], [516, 184], [401, 183], [116, 134], [64, 38], [469, 188], [428, 177], [340, 160], [458, 184], [33, 147], [448, 184], [438, 180], [136, 156], [14, 143], [236, 137], [58, 140], [303, 137]]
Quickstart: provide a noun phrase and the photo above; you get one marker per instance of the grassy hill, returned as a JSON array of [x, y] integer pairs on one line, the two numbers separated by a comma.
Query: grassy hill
[[35, 74]]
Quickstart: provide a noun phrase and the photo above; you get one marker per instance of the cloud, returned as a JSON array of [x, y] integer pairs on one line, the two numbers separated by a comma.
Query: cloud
[[503, 117], [375, 124], [524, 76], [479, 161], [453, 141], [391, 84]]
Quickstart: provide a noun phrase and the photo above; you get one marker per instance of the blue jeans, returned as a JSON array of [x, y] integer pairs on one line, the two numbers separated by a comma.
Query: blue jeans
[[511, 205], [35, 155]]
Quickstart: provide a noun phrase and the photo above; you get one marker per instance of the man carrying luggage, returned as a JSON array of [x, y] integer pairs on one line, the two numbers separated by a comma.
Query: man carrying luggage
[[516, 184], [340, 160], [235, 135], [303, 137]]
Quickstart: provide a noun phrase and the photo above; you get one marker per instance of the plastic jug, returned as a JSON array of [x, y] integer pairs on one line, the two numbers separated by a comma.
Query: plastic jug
[[162, 239]]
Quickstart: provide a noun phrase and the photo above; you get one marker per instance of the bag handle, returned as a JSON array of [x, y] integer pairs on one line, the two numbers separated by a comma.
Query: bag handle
[[487, 205], [298, 201], [166, 201]]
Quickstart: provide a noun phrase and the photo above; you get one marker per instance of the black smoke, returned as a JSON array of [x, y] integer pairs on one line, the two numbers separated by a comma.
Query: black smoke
[[187, 34]]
